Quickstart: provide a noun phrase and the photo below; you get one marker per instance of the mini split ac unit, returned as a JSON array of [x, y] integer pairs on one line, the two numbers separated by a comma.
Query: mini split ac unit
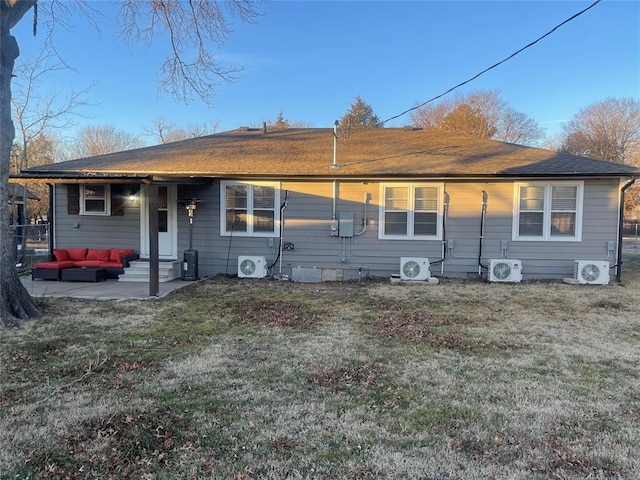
[[414, 268], [503, 270], [252, 267], [595, 272]]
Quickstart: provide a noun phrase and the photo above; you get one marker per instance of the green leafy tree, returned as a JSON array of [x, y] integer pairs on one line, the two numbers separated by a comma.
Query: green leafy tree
[[360, 115], [281, 122]]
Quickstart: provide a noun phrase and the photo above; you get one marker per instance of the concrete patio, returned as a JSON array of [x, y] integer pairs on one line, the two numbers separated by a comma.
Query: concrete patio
[[106, 290]]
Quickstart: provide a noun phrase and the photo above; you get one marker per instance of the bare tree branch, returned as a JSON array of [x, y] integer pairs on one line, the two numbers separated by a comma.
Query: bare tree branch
[[485, 115], [166, 132], [102, 139], [609, 130], [193, 30], [34, 111], [87, 373]]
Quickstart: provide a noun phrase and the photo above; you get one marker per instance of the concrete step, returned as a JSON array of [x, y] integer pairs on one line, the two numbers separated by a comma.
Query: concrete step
[[138, 271]]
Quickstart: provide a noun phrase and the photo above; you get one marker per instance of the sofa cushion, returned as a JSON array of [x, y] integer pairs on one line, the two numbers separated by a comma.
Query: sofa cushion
[[61, 254], [77, 253], [116, 254], [55, 265], [94, 254], [110, 265], [88, 263]]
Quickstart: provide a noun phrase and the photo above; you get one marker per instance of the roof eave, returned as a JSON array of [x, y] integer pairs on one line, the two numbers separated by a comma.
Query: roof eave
[[74, 177], [94, 177]]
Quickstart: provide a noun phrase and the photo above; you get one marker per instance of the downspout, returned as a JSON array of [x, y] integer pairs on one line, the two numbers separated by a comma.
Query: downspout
[[618, 266], [485, 198]]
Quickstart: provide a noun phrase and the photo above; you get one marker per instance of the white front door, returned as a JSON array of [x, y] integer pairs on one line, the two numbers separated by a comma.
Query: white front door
[[167, 222]]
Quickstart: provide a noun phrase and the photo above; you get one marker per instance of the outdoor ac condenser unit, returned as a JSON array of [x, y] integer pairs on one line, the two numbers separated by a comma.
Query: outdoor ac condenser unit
[[414, 268], [504, 270], [252, 266], [595, 272]]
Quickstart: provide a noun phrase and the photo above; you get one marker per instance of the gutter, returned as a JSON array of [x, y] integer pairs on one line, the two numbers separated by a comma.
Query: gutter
[[618, 266], [79, 178]]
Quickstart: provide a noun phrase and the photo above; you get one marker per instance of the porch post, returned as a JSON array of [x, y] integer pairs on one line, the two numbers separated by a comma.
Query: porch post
[[154, 259]]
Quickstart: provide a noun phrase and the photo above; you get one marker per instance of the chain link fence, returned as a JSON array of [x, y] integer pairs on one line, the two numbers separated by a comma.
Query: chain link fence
[[30, 244]]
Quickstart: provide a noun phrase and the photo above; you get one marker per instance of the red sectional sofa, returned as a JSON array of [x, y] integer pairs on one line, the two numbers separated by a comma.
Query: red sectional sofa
[[113, 260]]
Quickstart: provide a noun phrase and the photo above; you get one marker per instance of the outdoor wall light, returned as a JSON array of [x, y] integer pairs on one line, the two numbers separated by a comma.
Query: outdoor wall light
[[190, 204], [131, 193], [190, 266]]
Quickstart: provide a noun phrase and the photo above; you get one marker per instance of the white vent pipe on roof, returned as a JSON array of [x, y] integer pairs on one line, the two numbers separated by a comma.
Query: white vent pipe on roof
[[335, 145]]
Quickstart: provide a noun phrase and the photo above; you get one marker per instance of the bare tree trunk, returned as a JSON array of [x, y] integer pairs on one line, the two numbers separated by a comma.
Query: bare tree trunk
[[16, 305]]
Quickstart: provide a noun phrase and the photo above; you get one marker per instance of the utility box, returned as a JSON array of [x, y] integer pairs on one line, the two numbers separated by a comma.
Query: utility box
[[346, 224], [333, 227], [306, 275], [190, 267]]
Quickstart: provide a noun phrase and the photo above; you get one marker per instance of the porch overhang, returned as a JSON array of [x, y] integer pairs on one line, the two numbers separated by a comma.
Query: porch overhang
[[77, 178], [105, 178]]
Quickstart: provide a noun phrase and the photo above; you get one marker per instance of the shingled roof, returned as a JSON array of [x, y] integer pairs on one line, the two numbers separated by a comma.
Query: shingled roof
[[17, 193], [308, 153]]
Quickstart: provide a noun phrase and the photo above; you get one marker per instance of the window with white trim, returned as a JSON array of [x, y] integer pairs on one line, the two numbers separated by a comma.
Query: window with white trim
[[95, 199], [249, 208], [548, 211], [411, 211]]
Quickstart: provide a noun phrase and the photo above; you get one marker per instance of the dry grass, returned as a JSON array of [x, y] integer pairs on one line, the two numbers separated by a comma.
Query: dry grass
[[246, 380]]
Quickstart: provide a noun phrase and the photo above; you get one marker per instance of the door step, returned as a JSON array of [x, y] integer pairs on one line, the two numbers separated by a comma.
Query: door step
[[138, 271]]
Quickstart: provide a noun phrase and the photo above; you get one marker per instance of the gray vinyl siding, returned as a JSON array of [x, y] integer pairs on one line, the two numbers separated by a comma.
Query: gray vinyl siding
[[599, 226], [310, 210], [540, 259], [95, 231], [306, 224]]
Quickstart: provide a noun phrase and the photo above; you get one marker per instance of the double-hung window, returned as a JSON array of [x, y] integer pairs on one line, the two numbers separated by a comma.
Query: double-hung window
[[95, 199], [250, 208], [411, 211], [548, 211]]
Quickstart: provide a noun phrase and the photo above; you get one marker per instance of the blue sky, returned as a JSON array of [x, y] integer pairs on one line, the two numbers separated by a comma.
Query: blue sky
[[310, 60]]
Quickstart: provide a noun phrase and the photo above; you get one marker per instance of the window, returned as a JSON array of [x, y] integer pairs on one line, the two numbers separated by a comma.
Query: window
[[548, 211], [411, 211], [250, 209], [163, 209], [95, 199]]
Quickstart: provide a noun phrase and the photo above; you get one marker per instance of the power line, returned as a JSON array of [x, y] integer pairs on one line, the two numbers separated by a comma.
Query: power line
[[492, 66]]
